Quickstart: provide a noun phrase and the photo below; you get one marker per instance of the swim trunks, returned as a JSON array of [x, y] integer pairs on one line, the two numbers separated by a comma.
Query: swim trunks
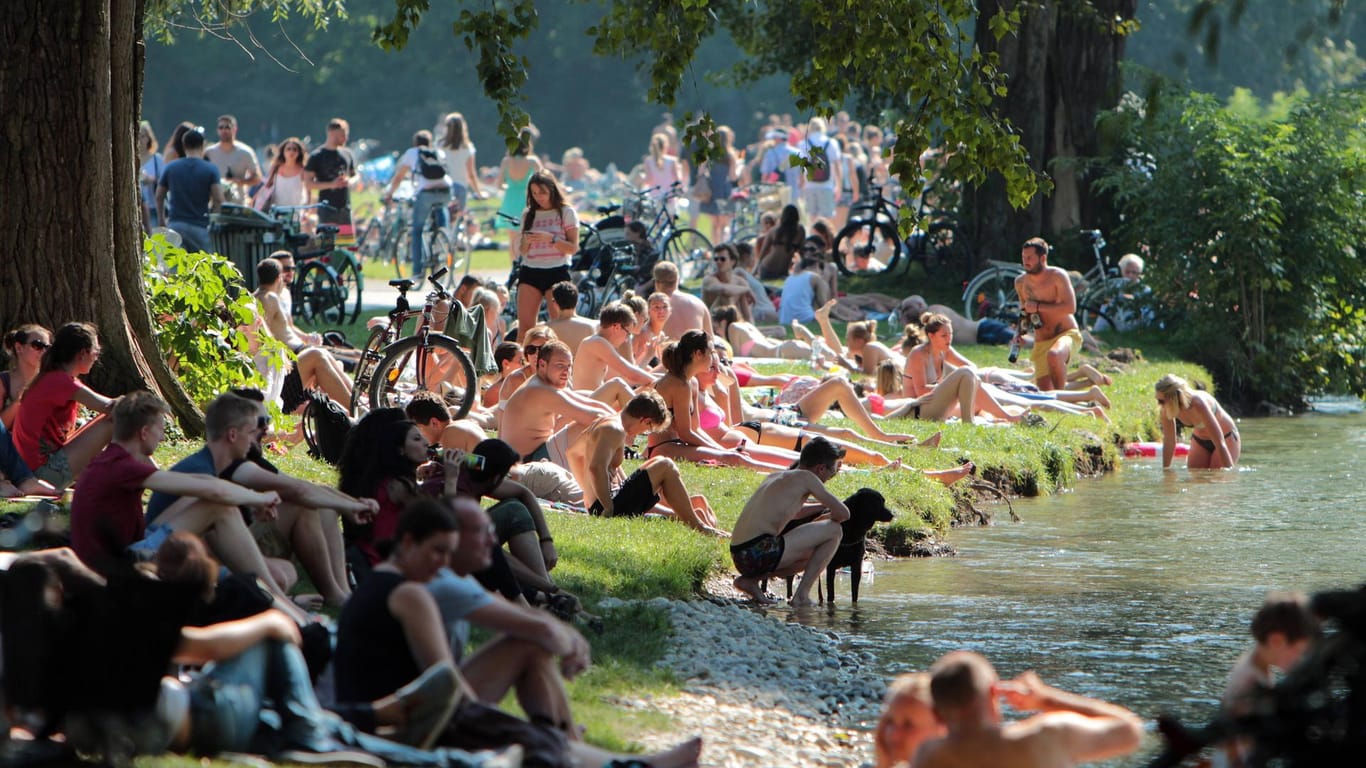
[[758, 556], [1040, 352], [635, 497]]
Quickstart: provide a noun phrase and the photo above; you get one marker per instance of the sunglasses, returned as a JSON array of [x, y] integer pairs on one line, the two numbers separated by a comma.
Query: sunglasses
[[286, 267], [720, 259], [810, 249], [41, 346], [262, 422], [532, 349]]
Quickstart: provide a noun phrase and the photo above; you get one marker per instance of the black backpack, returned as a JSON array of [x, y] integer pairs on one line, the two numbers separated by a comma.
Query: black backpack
[[429, 164], [326, 426], [819, 171]]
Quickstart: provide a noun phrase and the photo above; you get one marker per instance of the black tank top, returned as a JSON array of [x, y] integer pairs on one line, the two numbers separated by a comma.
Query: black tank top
[[372, 658]]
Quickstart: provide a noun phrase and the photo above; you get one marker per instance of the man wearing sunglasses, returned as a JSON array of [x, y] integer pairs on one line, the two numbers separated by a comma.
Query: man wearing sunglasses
[[236, 162]]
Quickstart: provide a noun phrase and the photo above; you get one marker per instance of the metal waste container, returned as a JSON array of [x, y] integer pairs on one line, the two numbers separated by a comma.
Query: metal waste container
[[245, 236]]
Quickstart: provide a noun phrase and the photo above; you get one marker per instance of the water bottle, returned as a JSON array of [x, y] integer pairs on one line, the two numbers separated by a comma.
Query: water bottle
[[1014, 350], [817, 356]]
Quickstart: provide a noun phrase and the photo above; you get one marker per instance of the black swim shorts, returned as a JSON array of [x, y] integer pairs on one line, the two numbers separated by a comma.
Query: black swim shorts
[[759, 556], [542, 279], [636, 497]]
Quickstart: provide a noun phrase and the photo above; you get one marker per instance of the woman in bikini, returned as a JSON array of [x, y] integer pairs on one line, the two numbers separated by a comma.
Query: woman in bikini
[[25, 346], [781, 443], [1215, 443], [686, 437], [748, 341]]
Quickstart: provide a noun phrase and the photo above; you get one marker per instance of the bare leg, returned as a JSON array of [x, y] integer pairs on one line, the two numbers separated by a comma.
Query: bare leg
[[664, 477], [302, 528], [801, 333], [793, 350], [528, 305], [507, 663], [88, 441], [815, 403], [1086, 375], [726, 458], [816, 544], [684, 755], [613, 392], [318, 368], [525, 548], [330, 523], [832, 340], [1059, 352]]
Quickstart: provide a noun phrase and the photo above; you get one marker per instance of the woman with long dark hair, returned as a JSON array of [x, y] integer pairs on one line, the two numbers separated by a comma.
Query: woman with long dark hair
[[45, 431], [380, 462], [548, 238], [25, 346], [285, 181], [776, 249]]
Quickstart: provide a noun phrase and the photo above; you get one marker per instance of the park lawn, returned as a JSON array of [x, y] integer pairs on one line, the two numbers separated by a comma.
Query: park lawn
[[637, 559]]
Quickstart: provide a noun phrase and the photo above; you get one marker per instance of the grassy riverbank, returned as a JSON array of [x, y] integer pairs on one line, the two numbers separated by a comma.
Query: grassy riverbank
[[635, 559]]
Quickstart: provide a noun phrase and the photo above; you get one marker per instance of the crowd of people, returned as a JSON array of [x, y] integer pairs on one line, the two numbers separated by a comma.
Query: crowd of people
[[403, 545]]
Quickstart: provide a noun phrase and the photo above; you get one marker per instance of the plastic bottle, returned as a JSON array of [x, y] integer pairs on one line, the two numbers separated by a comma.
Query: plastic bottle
[[817, 355]]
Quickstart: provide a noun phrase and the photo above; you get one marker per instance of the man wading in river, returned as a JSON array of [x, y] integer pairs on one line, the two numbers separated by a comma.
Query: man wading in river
[[1068, 730]]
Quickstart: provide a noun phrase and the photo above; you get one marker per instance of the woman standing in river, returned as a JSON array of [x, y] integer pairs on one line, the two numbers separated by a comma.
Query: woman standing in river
[[1214, 436]]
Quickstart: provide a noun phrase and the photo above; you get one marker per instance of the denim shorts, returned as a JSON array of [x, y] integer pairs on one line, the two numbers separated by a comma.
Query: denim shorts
[[57, 470]]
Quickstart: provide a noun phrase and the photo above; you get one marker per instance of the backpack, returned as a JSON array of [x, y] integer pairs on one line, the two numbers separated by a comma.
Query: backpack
[[326, 426], [429, 164], [819, 172]]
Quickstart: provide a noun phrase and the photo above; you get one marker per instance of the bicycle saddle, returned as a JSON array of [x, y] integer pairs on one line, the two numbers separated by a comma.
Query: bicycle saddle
[[324, 229], [403, 285]]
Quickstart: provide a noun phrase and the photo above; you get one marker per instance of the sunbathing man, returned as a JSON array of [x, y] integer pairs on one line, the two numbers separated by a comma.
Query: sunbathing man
[[760, 549], [595, 459], [686, 312], [1069, 730], [433, 419], [565, 321], [536, 410], [597, 358]]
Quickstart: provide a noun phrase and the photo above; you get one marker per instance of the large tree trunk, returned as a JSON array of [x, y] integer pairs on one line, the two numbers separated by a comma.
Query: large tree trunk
[[70, 89], [1063, 68]]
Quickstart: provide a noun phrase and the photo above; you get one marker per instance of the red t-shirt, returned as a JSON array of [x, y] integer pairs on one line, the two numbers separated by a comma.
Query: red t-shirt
[[47, 414], [107, 505]]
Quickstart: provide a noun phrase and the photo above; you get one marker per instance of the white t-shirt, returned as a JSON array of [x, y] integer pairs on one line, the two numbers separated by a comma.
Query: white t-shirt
[[546, 255], [409, 159], [457, 164]]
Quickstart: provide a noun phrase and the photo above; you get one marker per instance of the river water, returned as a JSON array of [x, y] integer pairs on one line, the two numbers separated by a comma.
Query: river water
[[1136, 587]]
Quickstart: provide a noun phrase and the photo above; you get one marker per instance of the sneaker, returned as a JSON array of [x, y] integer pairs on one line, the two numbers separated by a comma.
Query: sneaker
[[345, 757], [429, 702]]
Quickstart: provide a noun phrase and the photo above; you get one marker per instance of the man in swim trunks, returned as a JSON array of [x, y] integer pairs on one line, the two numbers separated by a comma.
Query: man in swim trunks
[[759, 548], [595, 459], [1069, 729], [1047, 296], [547, 403]]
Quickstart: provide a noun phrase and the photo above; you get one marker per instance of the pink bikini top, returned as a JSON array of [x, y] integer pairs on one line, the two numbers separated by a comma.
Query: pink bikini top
[[710, 417]]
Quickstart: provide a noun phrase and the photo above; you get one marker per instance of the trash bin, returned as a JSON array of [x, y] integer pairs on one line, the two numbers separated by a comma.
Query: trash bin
[[245, 236]]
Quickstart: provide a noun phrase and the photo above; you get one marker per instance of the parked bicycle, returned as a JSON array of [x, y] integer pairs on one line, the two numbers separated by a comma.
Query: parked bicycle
[[991, 292], [745, 206], [385, 238], [328, 283], [871, 244], [1102, 289], [392, 366], [605, 263], [687, 248]]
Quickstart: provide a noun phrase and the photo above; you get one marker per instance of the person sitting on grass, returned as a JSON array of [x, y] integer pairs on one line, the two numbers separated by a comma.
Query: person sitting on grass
[[307, 520], [106, 510], [379, 461], [533, 341], [597, 358], [595, 459], [16, 479], [433, 418], [508, 357], [45, 431], [1069, 730], [393, 628], [566, 324], [547, 401], [25, 346], [314, 367], [759, 547]]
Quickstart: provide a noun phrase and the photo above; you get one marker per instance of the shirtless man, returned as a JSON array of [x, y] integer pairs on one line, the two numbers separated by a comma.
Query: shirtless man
[[565, 321], [433, 419], [597, 358], [595, 459], [1046, 294], [686, 312], [759, 548], [1069, 730], [316, 367], [536, 410]]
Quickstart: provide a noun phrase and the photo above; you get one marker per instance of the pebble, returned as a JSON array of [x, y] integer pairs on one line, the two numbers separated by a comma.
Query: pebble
[[762, 691]]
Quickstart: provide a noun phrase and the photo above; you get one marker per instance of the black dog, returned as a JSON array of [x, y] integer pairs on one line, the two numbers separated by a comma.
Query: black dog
[[867, 507]]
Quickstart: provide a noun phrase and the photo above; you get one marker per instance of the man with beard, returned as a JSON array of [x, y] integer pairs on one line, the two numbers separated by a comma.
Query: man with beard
[[1049, 302]]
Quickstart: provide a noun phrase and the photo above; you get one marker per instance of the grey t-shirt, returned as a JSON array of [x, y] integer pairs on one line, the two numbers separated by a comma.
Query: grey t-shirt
[[236, 164], [457, 597]]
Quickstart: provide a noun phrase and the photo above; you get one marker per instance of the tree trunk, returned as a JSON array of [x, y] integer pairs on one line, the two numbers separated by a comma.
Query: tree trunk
[[70, 89], [1063, 68]]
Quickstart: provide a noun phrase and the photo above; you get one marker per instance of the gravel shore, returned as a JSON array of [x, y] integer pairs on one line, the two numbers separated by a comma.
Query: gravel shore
[[762, 691]]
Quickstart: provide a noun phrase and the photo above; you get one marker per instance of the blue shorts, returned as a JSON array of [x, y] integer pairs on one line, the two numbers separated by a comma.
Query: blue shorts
[[990, 331]]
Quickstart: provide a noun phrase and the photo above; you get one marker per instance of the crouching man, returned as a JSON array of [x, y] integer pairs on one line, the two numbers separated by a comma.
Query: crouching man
[[759, 548]]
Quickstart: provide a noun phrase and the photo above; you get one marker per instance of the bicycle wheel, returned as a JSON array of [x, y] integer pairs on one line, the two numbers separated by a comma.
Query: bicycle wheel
[[991, 293], [588, 299], [867, 247], [370, 356], [439, 252], [352, 282], [617, 288], [318, 295], [945, 246], [400, 251], [409, 366], [1100, 302], [690, 250]]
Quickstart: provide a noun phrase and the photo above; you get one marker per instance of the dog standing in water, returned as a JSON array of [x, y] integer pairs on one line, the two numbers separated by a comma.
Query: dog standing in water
[[867, 508]]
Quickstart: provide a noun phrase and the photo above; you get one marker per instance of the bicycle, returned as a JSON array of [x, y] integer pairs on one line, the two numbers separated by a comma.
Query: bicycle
[[745, 206], [607, 267], [393, 366], [991, 292], [687, 248], [870, 243], [386, 237], [1101, 288], [328, 278]]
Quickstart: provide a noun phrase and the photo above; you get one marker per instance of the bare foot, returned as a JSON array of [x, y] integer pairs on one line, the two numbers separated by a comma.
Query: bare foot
[[949, 476], [7, 490], [826, 309], [1099, 413], [750, 586], [309, 602], [1094, 375], [932, 441], [684, 755], [895, 464], [1096, 394], [801, 601]]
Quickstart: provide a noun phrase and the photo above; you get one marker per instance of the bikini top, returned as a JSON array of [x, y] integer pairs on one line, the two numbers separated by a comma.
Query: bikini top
[[710, 417]]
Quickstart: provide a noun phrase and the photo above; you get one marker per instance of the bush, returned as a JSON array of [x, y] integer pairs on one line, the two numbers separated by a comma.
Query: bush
[[1255, 226], [204, 318]]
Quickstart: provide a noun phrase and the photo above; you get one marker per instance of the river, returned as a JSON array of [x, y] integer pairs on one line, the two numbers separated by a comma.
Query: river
[[1136, 587]]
